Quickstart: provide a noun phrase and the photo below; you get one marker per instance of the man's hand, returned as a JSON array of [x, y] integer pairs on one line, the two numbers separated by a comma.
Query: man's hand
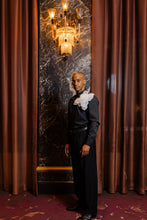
[[85, 150], [67, 150]]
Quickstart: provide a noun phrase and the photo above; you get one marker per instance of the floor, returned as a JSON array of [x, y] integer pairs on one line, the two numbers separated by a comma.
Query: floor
[[53, 207]]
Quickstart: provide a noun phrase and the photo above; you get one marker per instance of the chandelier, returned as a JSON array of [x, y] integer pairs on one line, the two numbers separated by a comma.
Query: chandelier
[[66, 28]]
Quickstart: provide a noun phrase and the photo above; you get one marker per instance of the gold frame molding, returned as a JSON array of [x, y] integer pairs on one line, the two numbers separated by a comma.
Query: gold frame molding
[[49, 168]]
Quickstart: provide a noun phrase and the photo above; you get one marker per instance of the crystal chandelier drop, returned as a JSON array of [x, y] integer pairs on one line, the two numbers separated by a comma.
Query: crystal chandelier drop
[[66, 29]]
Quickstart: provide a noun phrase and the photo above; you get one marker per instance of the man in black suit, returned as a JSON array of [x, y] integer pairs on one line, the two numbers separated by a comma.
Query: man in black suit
[[83, 122]]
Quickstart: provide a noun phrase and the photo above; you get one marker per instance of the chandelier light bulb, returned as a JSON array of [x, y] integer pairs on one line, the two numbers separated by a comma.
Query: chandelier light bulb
[[52, 12], [65, 4], [79, 12]]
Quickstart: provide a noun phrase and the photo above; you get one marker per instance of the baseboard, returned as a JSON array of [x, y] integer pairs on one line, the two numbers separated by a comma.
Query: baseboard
[[55, 187], [55, 180]]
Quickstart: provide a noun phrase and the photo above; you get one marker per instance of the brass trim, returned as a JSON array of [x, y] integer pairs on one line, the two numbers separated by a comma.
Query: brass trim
[[68, 168], [54, 181]]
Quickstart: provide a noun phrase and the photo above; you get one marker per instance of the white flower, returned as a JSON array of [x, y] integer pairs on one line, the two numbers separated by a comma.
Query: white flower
[[84, 99]]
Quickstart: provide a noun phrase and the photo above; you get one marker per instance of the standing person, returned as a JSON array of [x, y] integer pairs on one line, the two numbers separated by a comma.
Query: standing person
[[83, 122]]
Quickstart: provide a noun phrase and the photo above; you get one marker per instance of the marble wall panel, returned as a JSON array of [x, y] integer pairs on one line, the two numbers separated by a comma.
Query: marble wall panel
[[55, 88]]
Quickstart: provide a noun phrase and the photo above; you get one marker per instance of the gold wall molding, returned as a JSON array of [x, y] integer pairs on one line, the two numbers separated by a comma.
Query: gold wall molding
[[55, 168], [54, 181]]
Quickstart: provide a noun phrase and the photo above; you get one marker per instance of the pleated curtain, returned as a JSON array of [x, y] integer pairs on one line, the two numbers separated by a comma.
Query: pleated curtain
[[119, 80], [18, 95]]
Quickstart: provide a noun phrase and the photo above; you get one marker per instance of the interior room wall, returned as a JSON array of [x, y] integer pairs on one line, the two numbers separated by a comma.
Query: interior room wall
[[55, 90]]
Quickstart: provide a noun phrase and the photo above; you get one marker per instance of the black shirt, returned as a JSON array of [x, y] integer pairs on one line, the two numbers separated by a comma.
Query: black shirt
[[79, 118]]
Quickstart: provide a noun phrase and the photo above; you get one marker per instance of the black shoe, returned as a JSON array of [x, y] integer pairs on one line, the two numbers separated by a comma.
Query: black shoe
[[87, 217], [74, 208]]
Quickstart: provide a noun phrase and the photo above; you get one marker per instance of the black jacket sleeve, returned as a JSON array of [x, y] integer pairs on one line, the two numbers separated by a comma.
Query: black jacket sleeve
[[93, 117]]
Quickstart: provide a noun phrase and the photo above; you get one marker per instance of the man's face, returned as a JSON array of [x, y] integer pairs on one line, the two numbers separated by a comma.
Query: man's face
[[79, 82]]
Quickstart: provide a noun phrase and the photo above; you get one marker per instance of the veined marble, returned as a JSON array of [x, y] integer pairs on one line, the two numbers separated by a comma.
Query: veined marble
[[55, 88]]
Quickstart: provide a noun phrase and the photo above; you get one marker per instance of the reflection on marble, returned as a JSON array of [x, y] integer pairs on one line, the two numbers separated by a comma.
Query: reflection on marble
[[55, 87]]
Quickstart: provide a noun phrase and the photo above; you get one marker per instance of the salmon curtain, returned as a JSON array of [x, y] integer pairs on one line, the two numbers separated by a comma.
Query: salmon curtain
[[119, 80], [18, 95]]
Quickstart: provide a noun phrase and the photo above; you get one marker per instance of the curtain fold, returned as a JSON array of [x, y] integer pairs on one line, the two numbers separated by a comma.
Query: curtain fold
[[18, 95], [119, 80]]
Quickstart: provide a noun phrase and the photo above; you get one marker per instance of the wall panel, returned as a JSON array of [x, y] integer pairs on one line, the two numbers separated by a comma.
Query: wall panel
[[55, 90]]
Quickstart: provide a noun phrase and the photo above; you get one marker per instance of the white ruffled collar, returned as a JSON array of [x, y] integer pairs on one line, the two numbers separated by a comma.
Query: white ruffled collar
[[84, 100]]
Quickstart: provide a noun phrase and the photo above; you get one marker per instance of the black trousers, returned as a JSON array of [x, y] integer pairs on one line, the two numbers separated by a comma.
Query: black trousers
[[84, 172]]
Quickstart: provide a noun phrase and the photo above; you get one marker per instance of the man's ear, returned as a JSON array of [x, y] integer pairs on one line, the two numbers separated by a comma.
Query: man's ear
[[84, 81]]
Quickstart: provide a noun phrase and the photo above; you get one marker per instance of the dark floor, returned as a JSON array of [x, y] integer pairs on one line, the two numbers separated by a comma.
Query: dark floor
[[53, 207]]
